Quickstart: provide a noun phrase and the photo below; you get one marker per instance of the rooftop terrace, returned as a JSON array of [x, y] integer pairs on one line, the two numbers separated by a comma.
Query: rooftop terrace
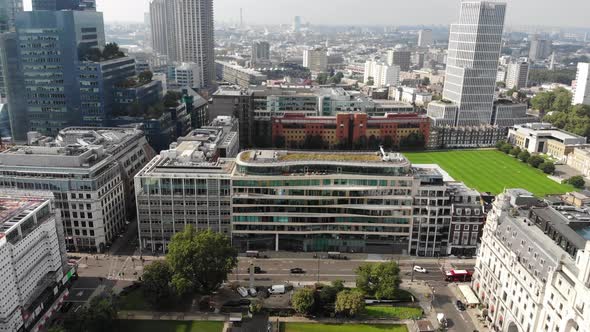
[[282, 156], [13, 210]]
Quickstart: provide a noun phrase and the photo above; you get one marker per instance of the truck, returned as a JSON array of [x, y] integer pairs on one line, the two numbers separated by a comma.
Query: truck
[[277, 289]]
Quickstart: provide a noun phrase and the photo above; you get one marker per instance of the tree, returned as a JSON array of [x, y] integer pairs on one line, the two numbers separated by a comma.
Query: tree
[[499, 144], [381, 280], [515, 151], [145, 76], [327, 295], [547, 167], [98, 316], [303, 300], [172, 99], [535, 161], [412, 141], [388, 142], [350, 302], [370, 81], [255, 306], [540, 76], [524, 156], [322, 78], [500, 84], [200, 261], [157, 282], [577, 181], [279, 142], [112, 51], [426, 81], [506, 147]]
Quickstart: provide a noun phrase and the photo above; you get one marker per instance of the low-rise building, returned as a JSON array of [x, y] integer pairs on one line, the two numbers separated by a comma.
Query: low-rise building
[[186, 185], [412, 95], [127, 146], [381, 74], [450, 137], [87, 184], [579, 159], [33, 264], [348, 130], [235, 74], [544, 138], [533, 268]]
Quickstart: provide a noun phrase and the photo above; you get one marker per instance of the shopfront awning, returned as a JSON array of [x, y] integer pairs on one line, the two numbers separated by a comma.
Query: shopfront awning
[[469, 295]]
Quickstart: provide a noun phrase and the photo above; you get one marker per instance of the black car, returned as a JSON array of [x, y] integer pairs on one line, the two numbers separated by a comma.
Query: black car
[[460, 305], [257, 270], [297, 270]]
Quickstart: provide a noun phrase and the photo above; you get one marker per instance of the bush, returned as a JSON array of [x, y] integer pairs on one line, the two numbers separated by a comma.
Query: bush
[[524, 156], [499, 144], [255, 306], [506, 148], [515, 151], [535, 161], [576, 181], [303, 300], [547, 167]]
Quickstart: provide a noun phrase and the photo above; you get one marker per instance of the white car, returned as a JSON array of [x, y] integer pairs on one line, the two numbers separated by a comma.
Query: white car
[[420, 269], [252, 292], [242, 291]]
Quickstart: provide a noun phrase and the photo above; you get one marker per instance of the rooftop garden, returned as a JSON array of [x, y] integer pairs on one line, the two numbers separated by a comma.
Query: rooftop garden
[[109, 52], [361, 157]]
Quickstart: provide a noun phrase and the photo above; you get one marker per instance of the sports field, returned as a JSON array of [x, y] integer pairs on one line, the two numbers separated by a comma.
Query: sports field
[[490, 171]]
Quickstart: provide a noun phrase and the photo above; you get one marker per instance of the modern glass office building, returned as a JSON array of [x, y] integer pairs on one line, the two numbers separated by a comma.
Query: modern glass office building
[[330, 201]]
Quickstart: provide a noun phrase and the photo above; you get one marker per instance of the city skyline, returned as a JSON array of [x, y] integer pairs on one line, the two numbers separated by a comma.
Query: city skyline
[[390, 13]]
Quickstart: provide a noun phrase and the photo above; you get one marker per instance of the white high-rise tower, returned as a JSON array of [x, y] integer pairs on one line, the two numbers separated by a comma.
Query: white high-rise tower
[[475, 43]]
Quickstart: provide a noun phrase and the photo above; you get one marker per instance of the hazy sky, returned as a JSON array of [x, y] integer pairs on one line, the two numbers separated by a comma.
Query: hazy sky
[[392, 12]]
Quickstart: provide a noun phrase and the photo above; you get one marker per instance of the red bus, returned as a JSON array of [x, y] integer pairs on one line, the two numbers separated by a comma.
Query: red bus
[[458, 275]]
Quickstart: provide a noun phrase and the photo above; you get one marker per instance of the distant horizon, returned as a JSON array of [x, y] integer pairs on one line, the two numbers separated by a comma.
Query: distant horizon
[[381, 13]]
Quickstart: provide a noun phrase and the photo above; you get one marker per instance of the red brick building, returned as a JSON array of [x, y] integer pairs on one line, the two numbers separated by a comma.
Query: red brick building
[[349, 129]]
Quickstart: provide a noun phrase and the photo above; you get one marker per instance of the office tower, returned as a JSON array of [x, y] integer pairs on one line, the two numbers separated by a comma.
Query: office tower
[[54, 5], [48, 98], [163, 29], [540, 48], [194, 36], [382, 74], [316, 60], [8, 11], [296, 24], [582, 86], [400, 57], [425, 38], [475, 43], [517, 75], [34, 268], [260, 52]]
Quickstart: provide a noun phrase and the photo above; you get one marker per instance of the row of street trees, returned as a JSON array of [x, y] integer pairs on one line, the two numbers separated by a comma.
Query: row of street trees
[[380, 281], [535, 161]]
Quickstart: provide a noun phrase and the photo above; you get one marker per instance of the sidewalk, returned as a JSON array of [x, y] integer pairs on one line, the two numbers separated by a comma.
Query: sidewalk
[[154, 315], [471, 312], [298, 319], [423, 292]]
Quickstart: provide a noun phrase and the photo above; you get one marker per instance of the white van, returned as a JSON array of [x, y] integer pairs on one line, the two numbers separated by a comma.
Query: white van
[[277, 289]]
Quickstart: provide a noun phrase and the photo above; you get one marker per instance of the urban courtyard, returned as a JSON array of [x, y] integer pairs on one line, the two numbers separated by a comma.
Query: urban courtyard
[[490, 171]]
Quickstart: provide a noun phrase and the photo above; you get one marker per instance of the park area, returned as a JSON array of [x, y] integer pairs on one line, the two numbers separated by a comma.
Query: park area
[[168, 326], [313, 327], [490, 171]]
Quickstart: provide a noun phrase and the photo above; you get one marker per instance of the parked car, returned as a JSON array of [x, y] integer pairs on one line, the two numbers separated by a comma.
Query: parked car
[[420, 269], [244, 302], [297, 270], [460, 305], [277, 289], [242, 291], [257, 270], [252, 292]]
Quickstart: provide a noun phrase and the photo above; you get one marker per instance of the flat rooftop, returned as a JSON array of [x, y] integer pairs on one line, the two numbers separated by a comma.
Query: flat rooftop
[[282, 156], [13, 210]]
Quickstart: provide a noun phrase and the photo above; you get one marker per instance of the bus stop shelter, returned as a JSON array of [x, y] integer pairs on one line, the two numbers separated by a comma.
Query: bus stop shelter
[[471, 299]]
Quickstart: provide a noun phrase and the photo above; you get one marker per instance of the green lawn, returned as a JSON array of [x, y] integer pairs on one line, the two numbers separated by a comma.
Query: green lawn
[[168, 326], [399, 313], [311, 327], [490, 170], [134, 300]]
